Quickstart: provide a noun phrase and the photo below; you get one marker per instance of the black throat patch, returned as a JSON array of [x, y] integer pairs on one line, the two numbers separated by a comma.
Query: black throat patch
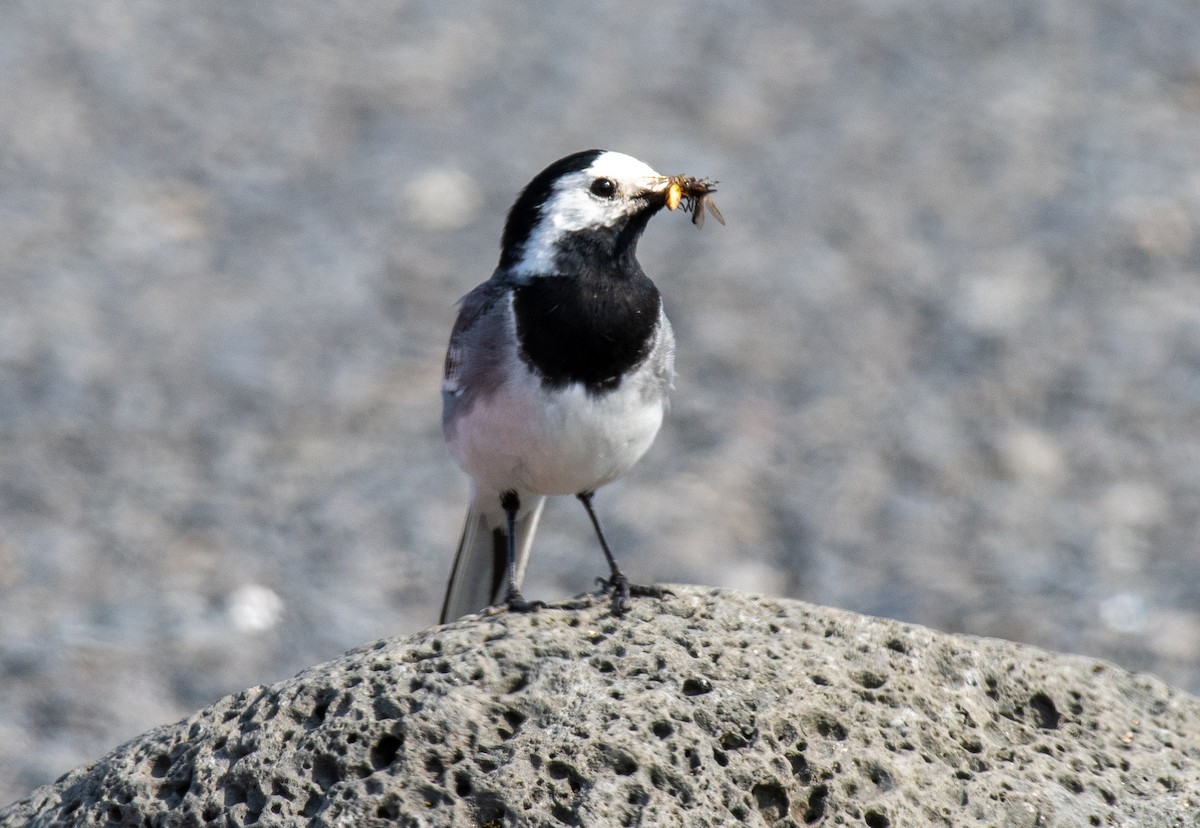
[[593, 322]]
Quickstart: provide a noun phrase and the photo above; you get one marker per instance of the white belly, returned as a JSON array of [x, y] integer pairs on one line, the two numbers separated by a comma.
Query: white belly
[[522, 437]]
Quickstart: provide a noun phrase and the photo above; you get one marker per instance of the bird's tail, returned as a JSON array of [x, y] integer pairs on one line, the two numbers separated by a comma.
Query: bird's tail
[[480, 574]]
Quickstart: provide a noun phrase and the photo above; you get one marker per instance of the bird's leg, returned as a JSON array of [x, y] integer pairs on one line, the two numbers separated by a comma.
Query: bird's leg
[[617, 584], [513, 599]]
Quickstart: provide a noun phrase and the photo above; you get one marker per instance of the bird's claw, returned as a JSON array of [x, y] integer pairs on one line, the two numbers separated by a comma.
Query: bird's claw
[[516, 602], [623, 592]]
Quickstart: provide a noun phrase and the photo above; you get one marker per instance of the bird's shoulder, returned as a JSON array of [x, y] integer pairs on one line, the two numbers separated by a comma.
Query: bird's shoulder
[[481, 301], [477, 329]]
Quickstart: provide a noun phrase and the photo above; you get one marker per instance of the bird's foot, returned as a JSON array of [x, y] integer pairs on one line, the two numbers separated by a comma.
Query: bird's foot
[[623, 592], [516, 602]]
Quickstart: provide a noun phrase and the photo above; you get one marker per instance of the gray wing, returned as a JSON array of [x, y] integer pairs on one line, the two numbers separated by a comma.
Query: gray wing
[[662, 356], [481, 344]]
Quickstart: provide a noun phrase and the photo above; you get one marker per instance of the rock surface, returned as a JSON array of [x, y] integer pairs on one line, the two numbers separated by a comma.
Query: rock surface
[[709, 708], [942, 365]]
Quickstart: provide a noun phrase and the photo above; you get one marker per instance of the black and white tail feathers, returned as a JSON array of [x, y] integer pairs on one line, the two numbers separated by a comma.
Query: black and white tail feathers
[[480, 574]]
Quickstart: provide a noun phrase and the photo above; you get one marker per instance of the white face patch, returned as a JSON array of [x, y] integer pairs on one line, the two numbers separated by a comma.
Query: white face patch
[[573, 206]]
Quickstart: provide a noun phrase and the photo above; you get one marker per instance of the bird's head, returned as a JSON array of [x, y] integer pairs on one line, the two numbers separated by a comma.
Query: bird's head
[[595, 200]]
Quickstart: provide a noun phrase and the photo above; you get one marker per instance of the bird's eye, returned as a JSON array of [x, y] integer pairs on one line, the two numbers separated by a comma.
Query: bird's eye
[[604, 187]]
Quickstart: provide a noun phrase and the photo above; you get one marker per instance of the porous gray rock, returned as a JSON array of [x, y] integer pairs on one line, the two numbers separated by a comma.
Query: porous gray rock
[[708, 708]]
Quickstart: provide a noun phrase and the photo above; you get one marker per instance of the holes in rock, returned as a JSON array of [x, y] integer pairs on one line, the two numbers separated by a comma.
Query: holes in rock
[[383, 752], [771, 800], [515, 719], [519, 683], [489, 809], [697, 686], [800, 768], [816, 803], [167, 793], [1071, 783], [256, 803], [721, 757], [870, 679], [235, 794], [820, 681], [462, 784], [623, 763], [879, 777], [115, 814], [662, 729], [734, 741], [1047, 714], [564, 815], [389, 809], [656, 778], [173, 790], [434, 767], [831, 728], [875, 819], [318, 714], [561, 770], [325, 771], [897, 646], [385, 707], [692, 757], [160, 766]]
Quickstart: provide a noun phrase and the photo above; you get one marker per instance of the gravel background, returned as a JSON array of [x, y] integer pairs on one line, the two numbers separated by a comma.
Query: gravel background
[[942, 365]]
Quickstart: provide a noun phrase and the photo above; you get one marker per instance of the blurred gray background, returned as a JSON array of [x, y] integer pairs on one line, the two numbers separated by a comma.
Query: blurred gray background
[[942, 365]]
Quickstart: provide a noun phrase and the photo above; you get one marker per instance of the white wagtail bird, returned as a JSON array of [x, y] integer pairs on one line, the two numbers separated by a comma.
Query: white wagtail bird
[[559, 365]]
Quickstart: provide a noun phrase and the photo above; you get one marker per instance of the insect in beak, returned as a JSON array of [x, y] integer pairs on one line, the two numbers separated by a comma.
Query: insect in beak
[[674, 194], [695, 195]]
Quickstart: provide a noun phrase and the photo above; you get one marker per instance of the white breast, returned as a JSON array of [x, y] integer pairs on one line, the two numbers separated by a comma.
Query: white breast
[[525, 437]]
